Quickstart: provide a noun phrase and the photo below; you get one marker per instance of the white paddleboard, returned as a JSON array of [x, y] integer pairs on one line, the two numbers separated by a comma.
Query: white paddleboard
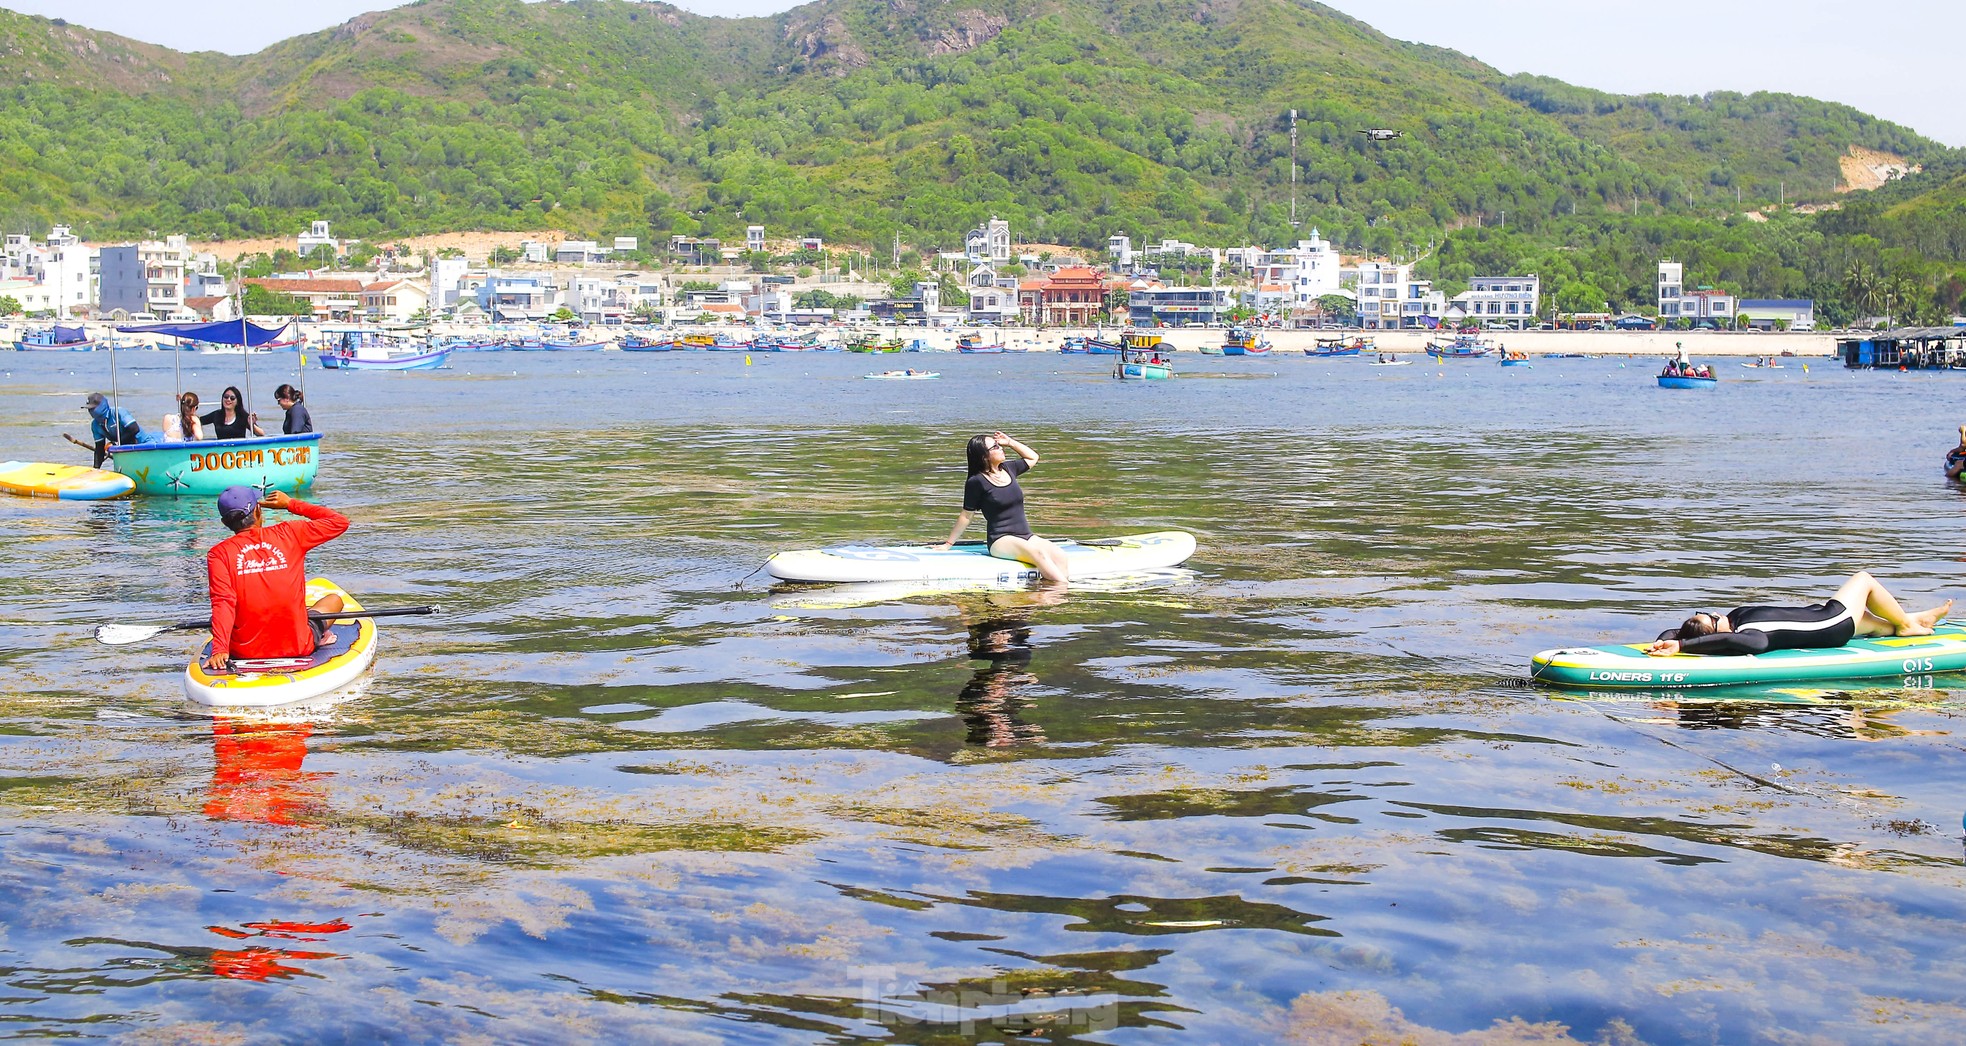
[[971, 561]]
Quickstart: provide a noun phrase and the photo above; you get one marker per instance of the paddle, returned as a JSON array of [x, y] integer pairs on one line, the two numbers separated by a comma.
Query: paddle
[[118, 635]]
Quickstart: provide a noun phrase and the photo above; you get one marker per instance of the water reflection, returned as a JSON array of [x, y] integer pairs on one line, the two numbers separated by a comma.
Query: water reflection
[[257, 775], [995, 702]]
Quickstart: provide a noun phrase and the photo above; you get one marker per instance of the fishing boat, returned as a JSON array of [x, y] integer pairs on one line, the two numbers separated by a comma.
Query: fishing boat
[[1143, 370], [1686, 381], [1244, 342], [1462, 347], [571, 342], [56, 339], [973, 343], [361, 349], [1326, 348], [643, 343], [1516, 359], [903, 375], [1141, 358]]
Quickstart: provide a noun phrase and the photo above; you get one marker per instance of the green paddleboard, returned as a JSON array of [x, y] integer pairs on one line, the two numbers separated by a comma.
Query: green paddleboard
[[1914, 660]]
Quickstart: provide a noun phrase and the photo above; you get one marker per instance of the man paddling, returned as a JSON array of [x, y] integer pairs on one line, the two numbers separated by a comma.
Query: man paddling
[[258, 579], [109, 427]]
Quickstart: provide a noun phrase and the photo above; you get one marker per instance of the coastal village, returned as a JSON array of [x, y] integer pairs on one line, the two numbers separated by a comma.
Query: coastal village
[[992, 281]]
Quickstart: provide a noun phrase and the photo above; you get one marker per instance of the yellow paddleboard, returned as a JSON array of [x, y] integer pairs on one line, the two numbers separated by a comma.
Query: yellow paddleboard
[[263, 685], [39, 479]]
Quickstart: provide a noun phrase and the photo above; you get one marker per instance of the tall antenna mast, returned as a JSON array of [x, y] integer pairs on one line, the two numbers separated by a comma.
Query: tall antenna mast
[[897, 249], [1293, 168]]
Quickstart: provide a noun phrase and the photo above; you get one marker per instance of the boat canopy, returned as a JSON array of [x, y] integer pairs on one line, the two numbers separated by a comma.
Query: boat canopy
[[227, 332], [69, 335]]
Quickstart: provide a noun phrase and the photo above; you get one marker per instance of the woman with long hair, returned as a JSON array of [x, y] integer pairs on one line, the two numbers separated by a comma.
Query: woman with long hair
[[183, 427], [992, 490], [230, 420], [1860, 607]]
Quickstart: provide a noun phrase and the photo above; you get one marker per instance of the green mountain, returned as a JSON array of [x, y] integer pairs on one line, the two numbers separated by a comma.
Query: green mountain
[[861, 119]]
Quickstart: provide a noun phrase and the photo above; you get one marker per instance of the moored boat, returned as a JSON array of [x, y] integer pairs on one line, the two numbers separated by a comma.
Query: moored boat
[[1244, 342], [56, 339], [643, 343], [973, 343], [1462, 347], [1326, 348]]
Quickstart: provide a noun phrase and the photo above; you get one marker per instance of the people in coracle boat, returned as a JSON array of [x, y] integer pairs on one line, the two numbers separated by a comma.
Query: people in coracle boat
[[992, 490], [1956, 457], [182, 426], [292, 400], [230, 420], [1860, 607]]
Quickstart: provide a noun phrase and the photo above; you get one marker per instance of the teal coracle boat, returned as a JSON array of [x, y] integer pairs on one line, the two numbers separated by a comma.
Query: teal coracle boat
[[203, 468]]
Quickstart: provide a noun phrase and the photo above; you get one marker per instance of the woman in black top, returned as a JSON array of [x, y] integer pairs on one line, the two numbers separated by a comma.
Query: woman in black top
[[992, 490], [298, 420], [230, 420], [1860, 608]]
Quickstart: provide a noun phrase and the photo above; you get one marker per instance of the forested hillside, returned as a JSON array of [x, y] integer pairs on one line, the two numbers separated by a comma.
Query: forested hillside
[[862, 119]]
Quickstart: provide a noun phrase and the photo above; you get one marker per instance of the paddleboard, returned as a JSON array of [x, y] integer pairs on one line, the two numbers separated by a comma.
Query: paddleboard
[[875, 593], [263, 684], [1914, 659], [895, 375], [971, 560], [39, 479]]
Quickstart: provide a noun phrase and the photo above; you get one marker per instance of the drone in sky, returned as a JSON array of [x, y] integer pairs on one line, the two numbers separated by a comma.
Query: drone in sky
[[1381, 134]]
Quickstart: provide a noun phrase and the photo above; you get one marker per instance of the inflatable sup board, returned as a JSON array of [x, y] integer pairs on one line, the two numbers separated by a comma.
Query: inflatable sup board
[[971, 560], [1915, 659], [39, 479], [263, 684]]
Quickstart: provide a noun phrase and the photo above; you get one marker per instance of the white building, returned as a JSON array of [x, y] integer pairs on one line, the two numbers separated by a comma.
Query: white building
[[394, 301], [579, 252], [1294, 278], [1702, 304], [1796, 314], [1120, 249], [316, 237], [447, 282], [1508, 299], [589, 297], [989, 242], [1389, 298], [754, 237], [533, 252], [626, 244]]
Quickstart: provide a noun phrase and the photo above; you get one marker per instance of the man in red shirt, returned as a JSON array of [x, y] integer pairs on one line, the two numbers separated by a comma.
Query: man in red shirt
[[258, 578]]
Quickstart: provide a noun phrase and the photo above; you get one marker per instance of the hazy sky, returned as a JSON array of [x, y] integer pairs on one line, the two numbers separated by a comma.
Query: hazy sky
[[1891, 58]]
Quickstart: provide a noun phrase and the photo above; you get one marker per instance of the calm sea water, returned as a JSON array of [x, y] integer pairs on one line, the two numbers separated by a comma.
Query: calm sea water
[[623, 789]]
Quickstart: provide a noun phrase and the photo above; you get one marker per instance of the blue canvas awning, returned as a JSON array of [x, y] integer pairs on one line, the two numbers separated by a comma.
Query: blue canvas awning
[[69, 335], [226, 332]]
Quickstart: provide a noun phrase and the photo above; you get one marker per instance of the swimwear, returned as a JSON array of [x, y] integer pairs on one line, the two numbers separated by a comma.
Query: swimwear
[[1002, 507], [1758, 630]]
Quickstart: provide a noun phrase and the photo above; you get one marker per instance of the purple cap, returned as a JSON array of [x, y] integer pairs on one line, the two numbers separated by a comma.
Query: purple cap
[[237, 501]]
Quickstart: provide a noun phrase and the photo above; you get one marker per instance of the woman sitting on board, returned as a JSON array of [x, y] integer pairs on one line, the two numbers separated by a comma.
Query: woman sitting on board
[[1860, 608], [183, 427], [992, 489], [1956, 457], [230, 420], [291, 400]]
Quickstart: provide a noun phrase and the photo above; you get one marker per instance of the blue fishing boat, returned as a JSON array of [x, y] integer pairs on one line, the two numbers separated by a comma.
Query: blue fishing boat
[[643, 343], [570, 343], [1244, 342], [363, 349], [1326, 348], [973, 343], [56, 339], [1462, 347]]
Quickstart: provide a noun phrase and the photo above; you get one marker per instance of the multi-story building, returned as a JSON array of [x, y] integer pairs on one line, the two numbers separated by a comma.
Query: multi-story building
[[754, 238], [989, 242], [1177, 306], [144, 278], [579, 252], [1120, 250], [590, 298], [1071, 297], [692, 251], [518, 296], [1508, 299], [1290, 281], [1389, 298], [1703, 305], [394, 301]]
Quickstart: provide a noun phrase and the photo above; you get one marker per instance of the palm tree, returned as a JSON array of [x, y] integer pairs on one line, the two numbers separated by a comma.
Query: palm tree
[[1863, 287]]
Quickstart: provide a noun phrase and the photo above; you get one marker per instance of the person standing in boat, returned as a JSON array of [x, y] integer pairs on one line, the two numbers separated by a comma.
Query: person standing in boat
[[290, 399], [109, 427], [230, 420], [258, 579], [992, 490]]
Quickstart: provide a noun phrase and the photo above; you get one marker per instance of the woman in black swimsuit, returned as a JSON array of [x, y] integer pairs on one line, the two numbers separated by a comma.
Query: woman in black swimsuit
[[992, 489], [230, 420], [1860, 608]]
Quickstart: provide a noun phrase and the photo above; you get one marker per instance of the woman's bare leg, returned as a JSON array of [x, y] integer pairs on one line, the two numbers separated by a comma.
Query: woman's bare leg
[[1879, 613], [1036, 551]]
